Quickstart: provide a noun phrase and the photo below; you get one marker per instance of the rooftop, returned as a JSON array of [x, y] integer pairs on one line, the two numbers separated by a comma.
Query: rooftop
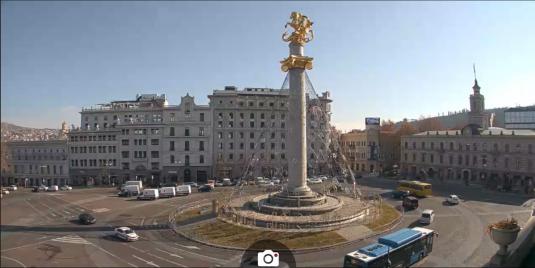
[[400, 237]]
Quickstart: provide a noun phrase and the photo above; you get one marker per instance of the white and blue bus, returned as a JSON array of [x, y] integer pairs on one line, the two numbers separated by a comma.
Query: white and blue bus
[[402, 248]]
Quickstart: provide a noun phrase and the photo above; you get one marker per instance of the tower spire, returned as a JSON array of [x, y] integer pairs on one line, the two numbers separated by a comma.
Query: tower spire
[[476, 86]]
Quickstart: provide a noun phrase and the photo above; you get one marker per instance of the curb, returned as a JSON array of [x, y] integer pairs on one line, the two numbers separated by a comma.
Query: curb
[[394, 224]]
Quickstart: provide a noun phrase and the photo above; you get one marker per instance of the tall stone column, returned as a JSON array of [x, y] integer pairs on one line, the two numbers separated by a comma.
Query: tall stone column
[[295, 64], [297, 136]]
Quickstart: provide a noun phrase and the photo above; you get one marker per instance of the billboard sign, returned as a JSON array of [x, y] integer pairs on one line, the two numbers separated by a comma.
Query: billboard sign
[[373, 121]]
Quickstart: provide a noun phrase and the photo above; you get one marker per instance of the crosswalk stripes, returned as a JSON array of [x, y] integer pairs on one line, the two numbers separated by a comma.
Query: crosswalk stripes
[[72, 239]]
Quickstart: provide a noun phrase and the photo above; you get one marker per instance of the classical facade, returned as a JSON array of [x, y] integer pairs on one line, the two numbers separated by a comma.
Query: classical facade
[[250, 128], [495, 157], [32, 163], [143, 139]]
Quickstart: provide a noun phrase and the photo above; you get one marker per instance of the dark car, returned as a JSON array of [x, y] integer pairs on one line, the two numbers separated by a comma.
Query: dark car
[[86, 218], [400, 194], [205, 188], [410, 202], [124, 193], [35, 189]]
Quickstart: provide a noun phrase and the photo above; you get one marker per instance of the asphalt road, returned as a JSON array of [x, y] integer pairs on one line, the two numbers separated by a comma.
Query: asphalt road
[[39, 229]]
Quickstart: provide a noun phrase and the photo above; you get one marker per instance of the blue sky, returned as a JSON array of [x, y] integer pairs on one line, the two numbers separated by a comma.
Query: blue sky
[[389, 59]]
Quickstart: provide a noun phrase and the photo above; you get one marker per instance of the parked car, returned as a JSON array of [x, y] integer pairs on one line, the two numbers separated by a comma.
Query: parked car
[[190, 183], [124, 193], [400, 194], [227, 182], [410, 202], [275, 180], [86, 218], [53, 188], [218, 184], [5, 191], [126, 234], [452, 199], [205, 188], [427, 217], [66, 188], [35, 189], [314, 181], [11, 188], [132, 190], [43, 188]]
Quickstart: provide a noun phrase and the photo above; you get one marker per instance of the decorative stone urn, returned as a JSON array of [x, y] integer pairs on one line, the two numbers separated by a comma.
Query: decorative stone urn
[[503, 237]]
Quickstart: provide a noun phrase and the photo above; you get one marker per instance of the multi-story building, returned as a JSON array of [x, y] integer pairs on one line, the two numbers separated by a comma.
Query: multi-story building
[[186, 149], [32, 163], [249, 132], [372, 149], [493, 156], [143, 139], [520, 118]]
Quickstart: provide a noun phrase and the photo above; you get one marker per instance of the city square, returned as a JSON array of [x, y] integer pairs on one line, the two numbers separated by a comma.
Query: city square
[[263, 176]]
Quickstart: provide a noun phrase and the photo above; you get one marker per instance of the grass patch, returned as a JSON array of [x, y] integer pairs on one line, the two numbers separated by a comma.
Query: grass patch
[[227, 234], [192, 213], [388, 214]]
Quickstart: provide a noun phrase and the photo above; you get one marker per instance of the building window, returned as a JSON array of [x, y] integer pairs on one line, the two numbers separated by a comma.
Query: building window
[[506, 148], [186, 160], [201, 159], [171, 145], [201, 146], [172, 160], [423, 145], [406, 145], [154, 142], [201, 131], [171, 131], [186, 132], [201, 115], [186, 145], [125, 142], [125, 154], [251, 145], [155, 154], [251, 135], [251, 124]]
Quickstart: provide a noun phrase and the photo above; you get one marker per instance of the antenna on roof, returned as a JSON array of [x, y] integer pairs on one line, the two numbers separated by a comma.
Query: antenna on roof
[[474, 67]]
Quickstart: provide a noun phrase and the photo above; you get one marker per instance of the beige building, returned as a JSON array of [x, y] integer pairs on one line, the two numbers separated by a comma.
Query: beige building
[[495, 157], [143, 139], [370, 150], [32, 163], [250, 128]]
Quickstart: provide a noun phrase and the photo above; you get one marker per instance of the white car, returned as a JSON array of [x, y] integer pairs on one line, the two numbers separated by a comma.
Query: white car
[[5, 191], [314, 181], [126, 234], [453, 199], [43, 188], [428, 216], [11, 188], [66, 188]]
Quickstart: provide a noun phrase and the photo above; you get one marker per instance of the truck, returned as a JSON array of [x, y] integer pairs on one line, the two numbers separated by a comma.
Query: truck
[[183, 190], [149, 194], [167, 192], [138, 183], [130, 190]]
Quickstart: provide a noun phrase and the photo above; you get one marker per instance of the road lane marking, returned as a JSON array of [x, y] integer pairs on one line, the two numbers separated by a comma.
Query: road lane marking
[[72, 239], [166, 260], [15, 260], [100, 210], [170, 254], [147, 262], [189, 247], [199, 255]]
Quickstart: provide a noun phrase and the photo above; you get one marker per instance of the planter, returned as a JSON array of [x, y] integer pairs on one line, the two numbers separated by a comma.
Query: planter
[[503, 237]]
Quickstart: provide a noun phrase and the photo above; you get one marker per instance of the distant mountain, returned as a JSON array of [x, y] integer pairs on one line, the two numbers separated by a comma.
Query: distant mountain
[[12, 132]]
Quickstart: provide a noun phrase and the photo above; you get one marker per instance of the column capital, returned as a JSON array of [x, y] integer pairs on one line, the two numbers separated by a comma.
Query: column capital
[[294, 62]]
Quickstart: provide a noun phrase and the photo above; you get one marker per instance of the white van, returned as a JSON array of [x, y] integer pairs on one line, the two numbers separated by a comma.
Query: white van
[[428, 216], [53, 188], [167, 192], [138, 183], [183, 190], [149, 194], [227, 182]]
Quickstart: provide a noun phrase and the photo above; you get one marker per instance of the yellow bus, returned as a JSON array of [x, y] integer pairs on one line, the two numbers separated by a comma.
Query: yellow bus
[[417, 188]]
